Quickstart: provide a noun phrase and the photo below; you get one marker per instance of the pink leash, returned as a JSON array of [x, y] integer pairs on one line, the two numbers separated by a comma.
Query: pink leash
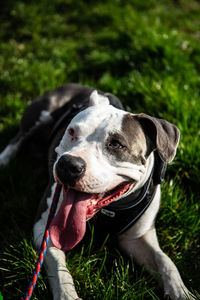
[[45, 241]]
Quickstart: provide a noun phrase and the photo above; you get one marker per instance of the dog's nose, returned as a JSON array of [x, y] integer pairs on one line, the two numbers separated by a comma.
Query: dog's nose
[[70, 168]]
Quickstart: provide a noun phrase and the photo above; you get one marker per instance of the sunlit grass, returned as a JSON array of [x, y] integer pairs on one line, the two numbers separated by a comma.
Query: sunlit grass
[[148, 54]]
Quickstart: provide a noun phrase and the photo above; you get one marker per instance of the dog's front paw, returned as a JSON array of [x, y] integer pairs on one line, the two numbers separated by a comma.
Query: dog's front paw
[[63, 295]]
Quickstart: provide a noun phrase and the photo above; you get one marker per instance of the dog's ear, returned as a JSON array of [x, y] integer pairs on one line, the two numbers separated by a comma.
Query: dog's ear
[[96, 99], [164, 136]]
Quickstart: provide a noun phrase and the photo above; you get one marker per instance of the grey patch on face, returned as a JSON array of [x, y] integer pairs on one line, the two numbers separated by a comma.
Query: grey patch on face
[[130, 144]]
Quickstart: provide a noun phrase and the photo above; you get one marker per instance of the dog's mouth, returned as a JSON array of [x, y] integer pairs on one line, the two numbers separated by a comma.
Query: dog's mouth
[[68, 227], [100, 200]]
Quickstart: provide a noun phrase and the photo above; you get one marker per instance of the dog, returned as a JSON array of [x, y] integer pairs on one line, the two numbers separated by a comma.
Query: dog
[[110, 163]]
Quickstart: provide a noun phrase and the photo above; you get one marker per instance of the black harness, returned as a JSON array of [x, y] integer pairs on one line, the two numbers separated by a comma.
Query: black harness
[[120, 215]]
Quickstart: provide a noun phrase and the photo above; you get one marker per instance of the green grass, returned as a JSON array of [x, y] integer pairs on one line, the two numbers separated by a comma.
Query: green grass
[[148, 54]]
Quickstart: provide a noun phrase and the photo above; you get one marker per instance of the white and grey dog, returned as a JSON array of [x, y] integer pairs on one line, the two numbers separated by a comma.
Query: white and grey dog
[[110, 163]]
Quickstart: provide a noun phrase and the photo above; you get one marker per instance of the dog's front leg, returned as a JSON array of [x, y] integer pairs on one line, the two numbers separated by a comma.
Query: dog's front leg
[[59, 276], [147, 252]]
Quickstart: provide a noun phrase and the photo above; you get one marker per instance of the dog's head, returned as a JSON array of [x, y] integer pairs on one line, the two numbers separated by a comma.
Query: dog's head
[[104, 154]]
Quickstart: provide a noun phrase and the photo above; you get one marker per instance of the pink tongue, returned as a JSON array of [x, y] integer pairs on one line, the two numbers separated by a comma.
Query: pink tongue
[[68, 227]]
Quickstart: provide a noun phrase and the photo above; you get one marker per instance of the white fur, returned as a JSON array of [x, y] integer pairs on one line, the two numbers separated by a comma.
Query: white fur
[[146, 251], [102, 173], [96, 99], [44, 115], [60, 279], [9, 152]]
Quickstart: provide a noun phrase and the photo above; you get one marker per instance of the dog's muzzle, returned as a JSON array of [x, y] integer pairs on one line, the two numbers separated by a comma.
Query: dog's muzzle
[[69, 169]]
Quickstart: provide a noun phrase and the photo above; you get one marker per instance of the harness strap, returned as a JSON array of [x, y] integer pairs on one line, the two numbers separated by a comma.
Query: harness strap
[[119, 216]]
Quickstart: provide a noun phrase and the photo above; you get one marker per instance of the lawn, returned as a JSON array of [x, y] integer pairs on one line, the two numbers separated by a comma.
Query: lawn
[[148, 54]]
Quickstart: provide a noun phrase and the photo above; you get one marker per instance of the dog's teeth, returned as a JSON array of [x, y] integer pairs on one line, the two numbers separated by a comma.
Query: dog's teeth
[[92, 202]]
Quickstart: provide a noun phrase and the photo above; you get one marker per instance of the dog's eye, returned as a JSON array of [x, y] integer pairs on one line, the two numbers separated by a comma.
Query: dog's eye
[[115, 144]]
